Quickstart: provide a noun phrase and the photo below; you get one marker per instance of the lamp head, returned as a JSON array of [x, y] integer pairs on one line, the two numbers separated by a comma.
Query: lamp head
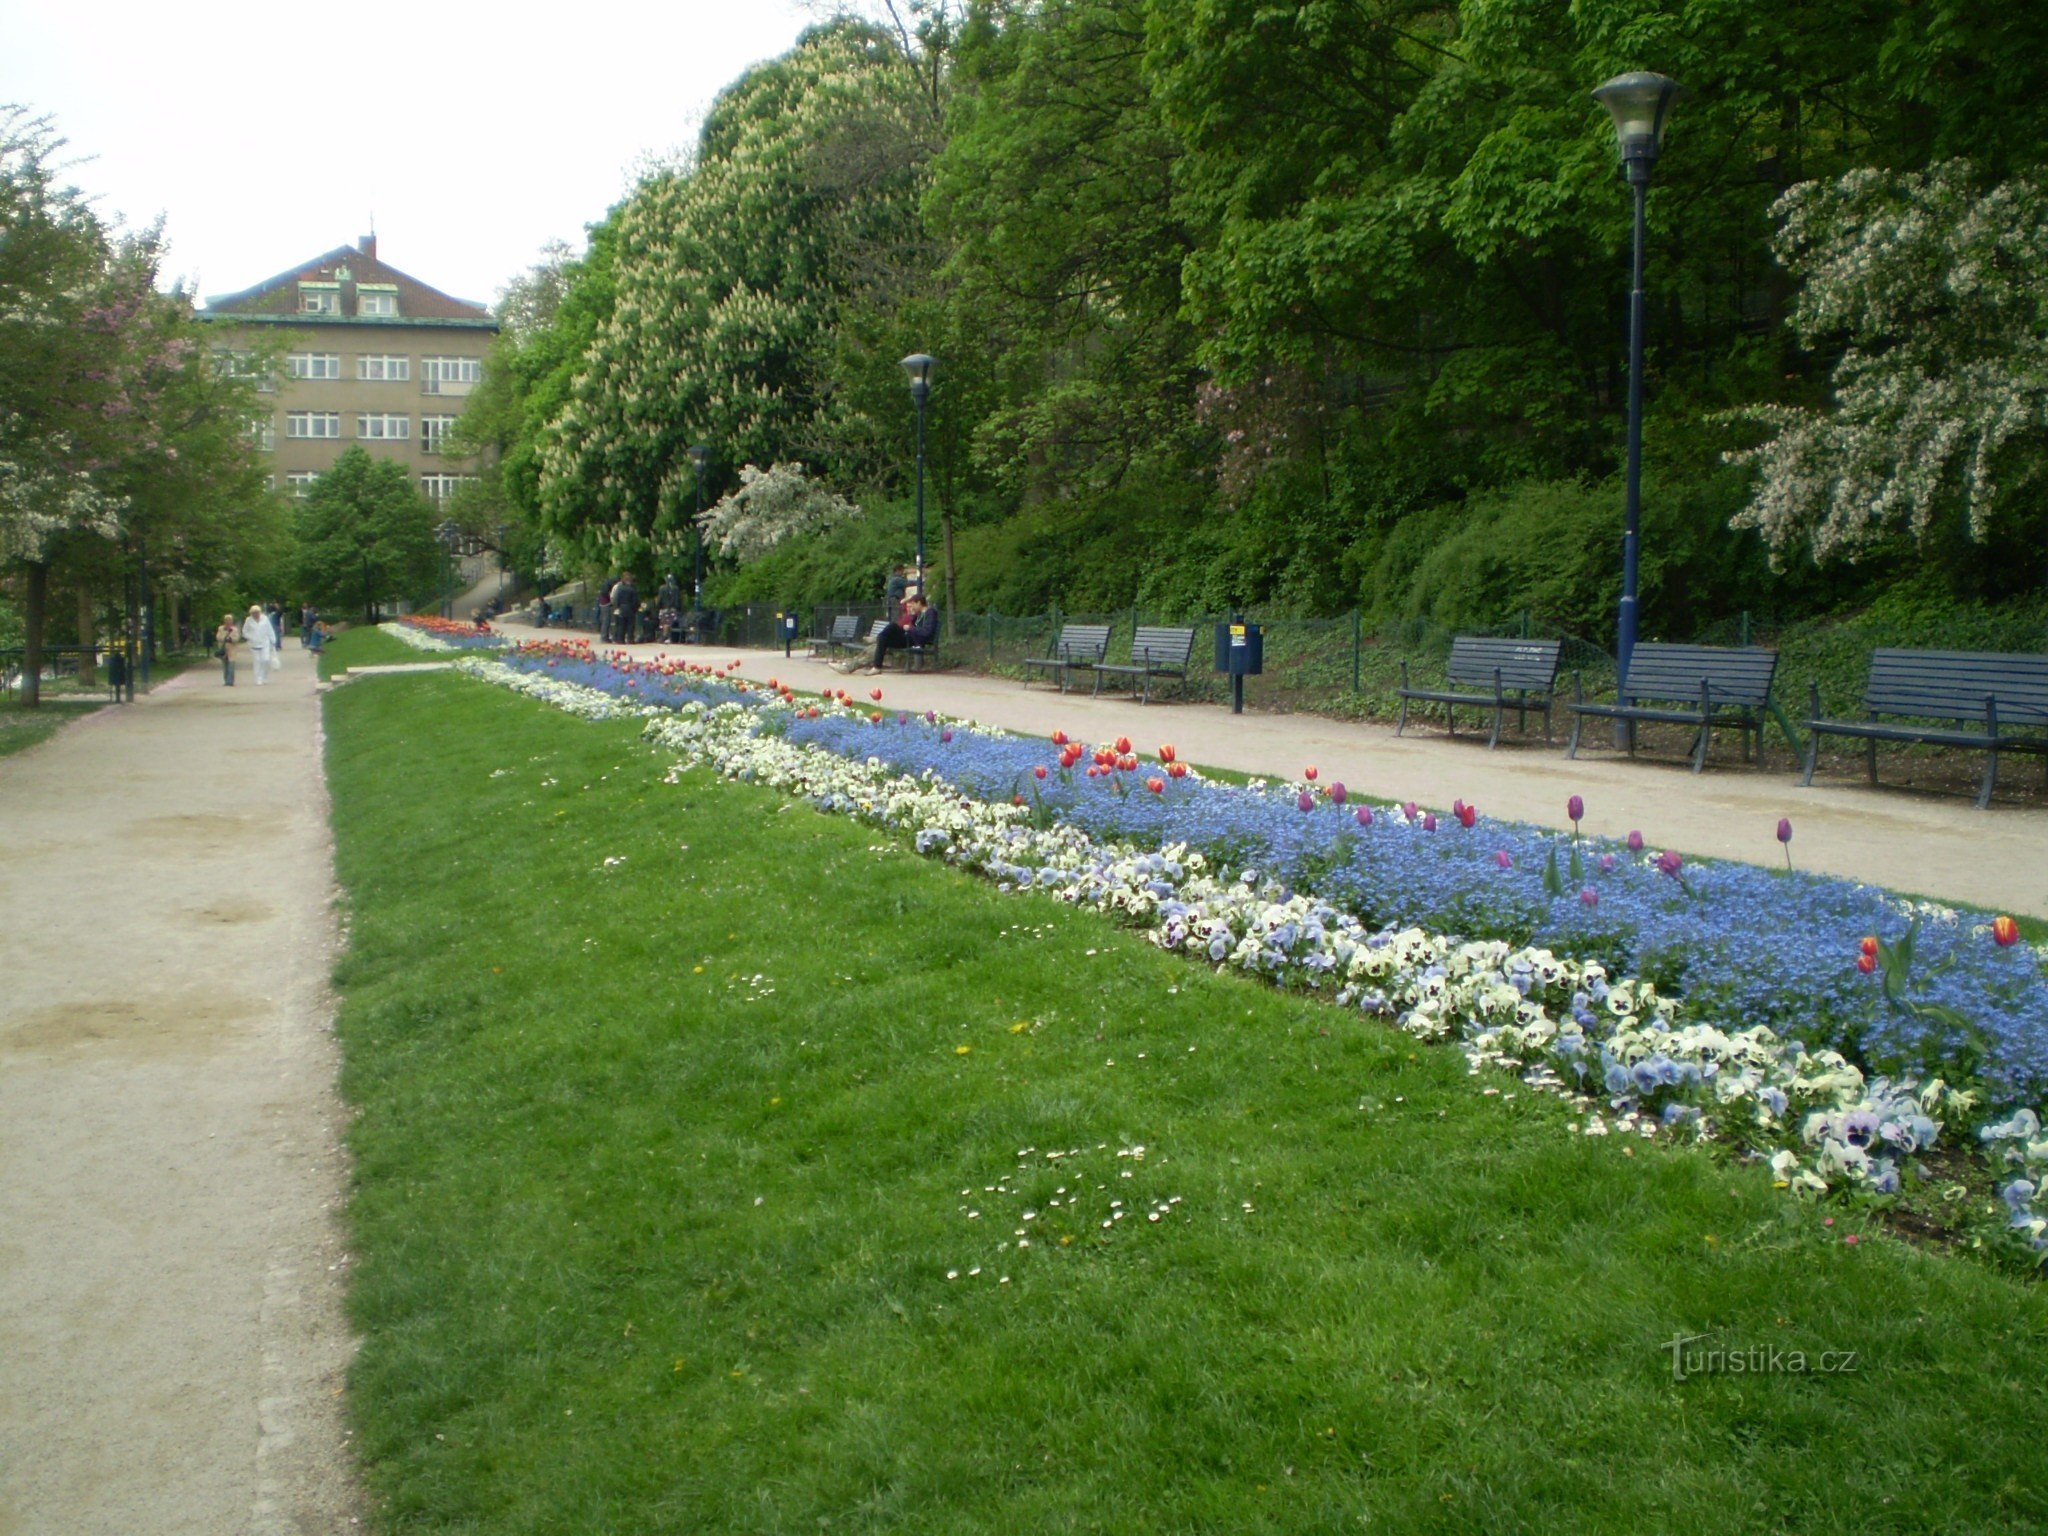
[[1639, 104], [700, 454], [919, 366]]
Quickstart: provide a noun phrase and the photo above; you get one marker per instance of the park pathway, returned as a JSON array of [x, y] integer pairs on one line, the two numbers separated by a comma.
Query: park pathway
[[172, 1341], [1935, 845]]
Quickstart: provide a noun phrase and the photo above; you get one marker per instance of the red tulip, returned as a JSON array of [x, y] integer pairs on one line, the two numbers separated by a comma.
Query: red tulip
[[1869, 945], [875, 694], [1467, 814], [1866, 963], [1156, 785], [1059, 738], [2005, 932], [1309, 773], [1123, 745], [1177, 770], [875, 718], [1038, 772], [1166, 753], [1128, 762]]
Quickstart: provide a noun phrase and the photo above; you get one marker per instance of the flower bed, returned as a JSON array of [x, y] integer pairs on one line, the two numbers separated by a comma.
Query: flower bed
[[1298, 884], [429, 632]]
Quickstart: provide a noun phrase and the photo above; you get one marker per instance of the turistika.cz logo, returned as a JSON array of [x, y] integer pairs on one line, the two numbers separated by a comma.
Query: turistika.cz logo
[[1757, 1360]]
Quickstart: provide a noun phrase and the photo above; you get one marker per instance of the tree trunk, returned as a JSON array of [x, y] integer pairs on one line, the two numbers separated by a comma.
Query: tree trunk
[[88, 640], [946, 541], [171, 620], [35, 602]]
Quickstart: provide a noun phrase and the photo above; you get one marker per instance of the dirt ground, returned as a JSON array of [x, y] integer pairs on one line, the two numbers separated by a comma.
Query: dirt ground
[[1930, 844], [172, 1338]]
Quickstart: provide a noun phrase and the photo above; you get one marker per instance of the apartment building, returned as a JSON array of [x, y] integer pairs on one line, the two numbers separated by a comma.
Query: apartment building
[[372, 356]]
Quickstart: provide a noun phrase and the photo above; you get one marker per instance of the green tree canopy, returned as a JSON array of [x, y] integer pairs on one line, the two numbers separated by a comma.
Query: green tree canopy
[[366, 536]]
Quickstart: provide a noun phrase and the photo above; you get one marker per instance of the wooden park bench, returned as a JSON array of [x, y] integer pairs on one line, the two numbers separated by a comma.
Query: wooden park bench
[[1156, 651], [1078, 645], [1993, 702], [1482, 672], [844, 635], [1699, 685]]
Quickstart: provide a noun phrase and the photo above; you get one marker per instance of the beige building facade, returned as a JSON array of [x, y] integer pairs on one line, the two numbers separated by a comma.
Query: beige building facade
[[372, 357]]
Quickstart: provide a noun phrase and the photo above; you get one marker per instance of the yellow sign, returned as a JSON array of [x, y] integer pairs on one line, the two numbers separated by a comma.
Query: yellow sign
[[1237, 631]]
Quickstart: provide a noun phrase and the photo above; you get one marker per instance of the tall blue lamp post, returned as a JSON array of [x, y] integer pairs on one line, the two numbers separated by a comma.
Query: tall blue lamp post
[[919, 366], [1639, 104]]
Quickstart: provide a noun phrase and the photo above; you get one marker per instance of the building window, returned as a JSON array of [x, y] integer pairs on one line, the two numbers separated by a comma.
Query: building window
[[434, 431], [450, 375], [374, 302], [313, 365], [384, 368], [263, 433], [301, 484], [384, 428], [312, 424], [441, 487], [319, 298]]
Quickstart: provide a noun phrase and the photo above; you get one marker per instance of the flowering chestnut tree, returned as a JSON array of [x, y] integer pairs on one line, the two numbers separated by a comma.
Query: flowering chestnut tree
[[1935, 290], [769, 506]]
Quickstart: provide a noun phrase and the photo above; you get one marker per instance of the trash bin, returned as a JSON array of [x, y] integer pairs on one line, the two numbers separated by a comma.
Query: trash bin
[[1240, 653]]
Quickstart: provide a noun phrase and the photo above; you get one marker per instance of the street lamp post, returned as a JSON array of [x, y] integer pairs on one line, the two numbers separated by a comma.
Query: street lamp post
[[700, 455], [1639, 104], [447, 535], [919, 366]]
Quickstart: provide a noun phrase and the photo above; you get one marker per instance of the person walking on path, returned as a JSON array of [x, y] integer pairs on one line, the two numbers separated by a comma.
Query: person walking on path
[[262, 638], [224, 647]]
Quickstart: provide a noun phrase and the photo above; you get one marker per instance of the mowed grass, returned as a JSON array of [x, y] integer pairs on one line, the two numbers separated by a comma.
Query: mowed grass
[[367, 647], [659, 1174]]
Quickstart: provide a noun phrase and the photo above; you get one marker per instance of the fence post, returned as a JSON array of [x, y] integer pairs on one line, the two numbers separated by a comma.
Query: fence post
[[1357, 644], [1745, 626]]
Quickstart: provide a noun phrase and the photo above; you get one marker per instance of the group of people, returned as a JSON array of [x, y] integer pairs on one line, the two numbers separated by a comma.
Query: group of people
[[262, 630], [622, 619]]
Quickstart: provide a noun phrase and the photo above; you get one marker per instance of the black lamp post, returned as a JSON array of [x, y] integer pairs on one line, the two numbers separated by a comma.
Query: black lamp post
[[700, 455], [919, 366], [1639, 104], [447, 535]]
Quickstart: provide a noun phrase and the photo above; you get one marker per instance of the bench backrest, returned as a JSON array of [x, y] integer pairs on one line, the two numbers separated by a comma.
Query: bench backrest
[[846, 626], [1738, 675], [1081, 642], [1953, 685], [1528, 664], [1155, 645], [875, 630]]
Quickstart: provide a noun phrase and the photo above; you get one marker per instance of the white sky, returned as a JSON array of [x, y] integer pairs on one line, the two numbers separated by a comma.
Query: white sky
[[473, 132]]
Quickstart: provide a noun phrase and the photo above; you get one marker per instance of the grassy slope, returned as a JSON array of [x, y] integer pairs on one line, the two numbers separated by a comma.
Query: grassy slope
[[22, 728], [645, 1247]]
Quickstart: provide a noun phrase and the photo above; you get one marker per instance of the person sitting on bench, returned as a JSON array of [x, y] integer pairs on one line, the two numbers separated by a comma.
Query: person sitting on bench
[[922, 627]]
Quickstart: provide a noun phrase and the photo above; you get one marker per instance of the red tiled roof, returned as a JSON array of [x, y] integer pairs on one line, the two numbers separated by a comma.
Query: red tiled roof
[[279, 295]]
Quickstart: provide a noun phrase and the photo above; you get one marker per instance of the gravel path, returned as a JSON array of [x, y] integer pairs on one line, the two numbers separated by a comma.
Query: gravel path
[[172, 1339], [1934, 845]]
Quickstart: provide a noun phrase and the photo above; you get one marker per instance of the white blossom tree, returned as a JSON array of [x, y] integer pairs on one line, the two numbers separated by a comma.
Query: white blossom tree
[[1936, 292], [771, 505]]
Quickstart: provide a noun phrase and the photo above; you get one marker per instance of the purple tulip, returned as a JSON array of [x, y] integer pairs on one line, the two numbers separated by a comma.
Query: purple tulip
[[1575, 810], [1784, 829], [1429, 821], [1305, 801], [1669, 862], [1606, 863], [1337, 794], [1504, 859], [1365, 815], [1408, 810], [931, 717], [903, 719], [946, 734], [1590, 897], [1635, 842]]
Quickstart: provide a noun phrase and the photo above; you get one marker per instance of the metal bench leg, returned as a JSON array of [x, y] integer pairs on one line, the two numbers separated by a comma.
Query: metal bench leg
[[1578, 725], [1402, 725], [1990, 780], [1699, 750], [1494, 740], [1812, 760]]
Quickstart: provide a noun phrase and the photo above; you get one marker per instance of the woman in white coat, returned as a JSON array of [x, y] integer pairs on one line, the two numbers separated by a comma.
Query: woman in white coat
[[262, 642]]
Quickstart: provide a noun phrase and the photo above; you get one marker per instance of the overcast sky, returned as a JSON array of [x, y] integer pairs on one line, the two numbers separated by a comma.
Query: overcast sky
[[471, 132]]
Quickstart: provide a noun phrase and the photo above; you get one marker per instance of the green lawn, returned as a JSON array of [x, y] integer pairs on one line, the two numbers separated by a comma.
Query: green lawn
[[367, 647], [662, 1165], [22, 728]]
